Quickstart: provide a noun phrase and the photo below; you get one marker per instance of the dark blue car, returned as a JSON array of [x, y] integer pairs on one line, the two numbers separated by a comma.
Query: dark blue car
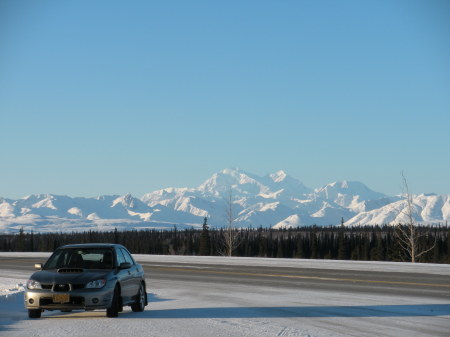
[[87, 277]]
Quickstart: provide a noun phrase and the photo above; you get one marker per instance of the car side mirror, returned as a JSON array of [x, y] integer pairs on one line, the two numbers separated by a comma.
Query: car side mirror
[[38, 266], [125, 265]]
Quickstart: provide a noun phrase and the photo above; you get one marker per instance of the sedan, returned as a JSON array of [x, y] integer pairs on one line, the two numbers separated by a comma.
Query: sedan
[[87, 277]]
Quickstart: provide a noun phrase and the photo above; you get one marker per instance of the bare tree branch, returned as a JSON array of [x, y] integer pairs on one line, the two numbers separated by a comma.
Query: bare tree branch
[[230, 234], [407, 234]]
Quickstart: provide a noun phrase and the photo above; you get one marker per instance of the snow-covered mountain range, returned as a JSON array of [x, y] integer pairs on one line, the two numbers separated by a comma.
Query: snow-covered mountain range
[[276, 200]]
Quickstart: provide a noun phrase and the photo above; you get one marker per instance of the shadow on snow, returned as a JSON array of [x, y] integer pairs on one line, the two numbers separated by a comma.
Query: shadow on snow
[[412, 310]]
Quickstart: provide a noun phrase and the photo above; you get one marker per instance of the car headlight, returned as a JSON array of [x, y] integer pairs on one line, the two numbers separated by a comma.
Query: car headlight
[[32, 284], [96, 284]]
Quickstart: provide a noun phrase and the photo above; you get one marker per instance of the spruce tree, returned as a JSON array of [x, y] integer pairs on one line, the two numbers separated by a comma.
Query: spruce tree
[[342, 245], [205, 244], [21, 244], [313, 242]]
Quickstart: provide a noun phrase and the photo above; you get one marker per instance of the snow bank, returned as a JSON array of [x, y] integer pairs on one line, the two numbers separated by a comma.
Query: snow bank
[[399, 267]]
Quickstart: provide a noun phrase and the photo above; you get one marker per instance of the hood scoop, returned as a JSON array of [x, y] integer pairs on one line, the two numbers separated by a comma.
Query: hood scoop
[[70, 270]]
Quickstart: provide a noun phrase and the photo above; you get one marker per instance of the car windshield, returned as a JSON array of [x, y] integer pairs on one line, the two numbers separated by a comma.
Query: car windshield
[[86, 258]]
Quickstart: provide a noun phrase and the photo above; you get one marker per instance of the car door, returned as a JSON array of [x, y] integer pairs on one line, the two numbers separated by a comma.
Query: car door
[[135, 280], [125, 278]]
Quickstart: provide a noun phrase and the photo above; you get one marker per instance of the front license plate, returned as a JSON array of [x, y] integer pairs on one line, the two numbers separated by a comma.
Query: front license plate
[[61, 298]]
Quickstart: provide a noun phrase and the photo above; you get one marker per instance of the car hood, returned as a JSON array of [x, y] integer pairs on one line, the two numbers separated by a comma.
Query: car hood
[[53, 276]]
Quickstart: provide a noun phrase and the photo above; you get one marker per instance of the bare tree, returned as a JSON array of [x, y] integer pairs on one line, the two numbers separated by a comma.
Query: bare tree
[[230, 233], [407, 233]]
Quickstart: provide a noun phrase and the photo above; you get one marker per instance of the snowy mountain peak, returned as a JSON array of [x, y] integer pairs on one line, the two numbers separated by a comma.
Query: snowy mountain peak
[[348, 188], [291, 221], [278, 176], [46, 202], [231, 171], [244, 184], [238, 181], [126, 200], [291, 186]]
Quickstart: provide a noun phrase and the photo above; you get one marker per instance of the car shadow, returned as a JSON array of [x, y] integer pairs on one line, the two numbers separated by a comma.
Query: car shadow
[[415, 310], [152, 298]]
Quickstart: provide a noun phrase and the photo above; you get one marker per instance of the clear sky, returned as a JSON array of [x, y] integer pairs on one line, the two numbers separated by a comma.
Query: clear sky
[[110, 97]]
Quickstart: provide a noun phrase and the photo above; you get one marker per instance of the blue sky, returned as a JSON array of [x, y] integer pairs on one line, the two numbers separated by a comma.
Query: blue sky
[[109, 97]]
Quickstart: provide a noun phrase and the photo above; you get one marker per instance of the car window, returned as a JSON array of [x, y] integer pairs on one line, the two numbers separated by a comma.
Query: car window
[[127, 256], [85, 258], [120, 257], [65, 258], [58, 258], [97, 259]]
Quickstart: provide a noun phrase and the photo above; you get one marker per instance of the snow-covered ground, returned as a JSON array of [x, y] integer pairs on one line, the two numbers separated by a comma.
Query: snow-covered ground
[[179, 308]]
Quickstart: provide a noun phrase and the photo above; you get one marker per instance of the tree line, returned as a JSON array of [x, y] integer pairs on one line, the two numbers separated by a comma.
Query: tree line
[[370, 243]]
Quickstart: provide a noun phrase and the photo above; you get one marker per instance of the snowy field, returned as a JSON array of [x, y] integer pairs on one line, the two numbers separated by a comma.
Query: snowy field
[[179, 308]]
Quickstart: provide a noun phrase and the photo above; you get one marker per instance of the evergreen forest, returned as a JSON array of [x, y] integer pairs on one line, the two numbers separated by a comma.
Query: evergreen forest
[[370, 243]]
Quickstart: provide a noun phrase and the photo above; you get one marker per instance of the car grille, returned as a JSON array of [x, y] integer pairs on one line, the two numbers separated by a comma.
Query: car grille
[[61, 287]]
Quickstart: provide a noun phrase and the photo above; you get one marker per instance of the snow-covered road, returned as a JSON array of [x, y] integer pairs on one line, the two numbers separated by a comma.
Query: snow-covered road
[[222, 308]]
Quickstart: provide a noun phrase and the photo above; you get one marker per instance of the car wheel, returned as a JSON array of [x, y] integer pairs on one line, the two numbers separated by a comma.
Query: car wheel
[[139, 305], [34, 313], [113, 310]]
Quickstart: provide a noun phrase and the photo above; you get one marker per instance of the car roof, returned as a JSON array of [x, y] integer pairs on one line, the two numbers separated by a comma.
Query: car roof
[[92, 245]]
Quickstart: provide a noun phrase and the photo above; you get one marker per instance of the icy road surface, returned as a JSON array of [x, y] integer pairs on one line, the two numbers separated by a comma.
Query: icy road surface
[[213, 296]]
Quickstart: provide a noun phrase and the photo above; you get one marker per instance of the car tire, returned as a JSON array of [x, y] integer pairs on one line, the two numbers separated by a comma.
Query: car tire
[[34, 313], [139, 305], [113, 310]]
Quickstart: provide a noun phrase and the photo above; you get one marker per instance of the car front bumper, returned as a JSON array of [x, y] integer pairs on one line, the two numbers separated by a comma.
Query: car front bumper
[[87, 299]]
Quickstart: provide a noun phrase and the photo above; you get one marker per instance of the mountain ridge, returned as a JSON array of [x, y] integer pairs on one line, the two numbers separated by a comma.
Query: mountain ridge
[[276, 200]]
